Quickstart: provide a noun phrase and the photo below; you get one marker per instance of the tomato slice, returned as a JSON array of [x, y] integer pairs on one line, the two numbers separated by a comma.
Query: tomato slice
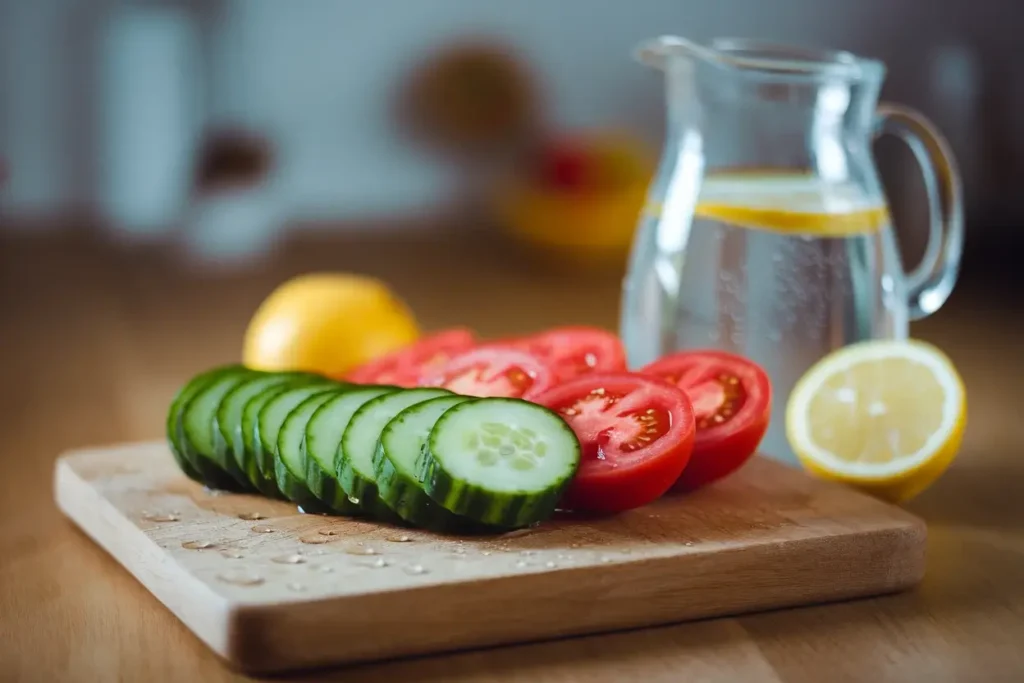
[[575, 351], [492, 371], [636, 432], [405, 366], [731, 398]]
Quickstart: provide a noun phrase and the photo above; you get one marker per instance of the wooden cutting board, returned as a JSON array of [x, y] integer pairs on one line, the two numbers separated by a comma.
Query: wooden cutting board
[[270, 589]]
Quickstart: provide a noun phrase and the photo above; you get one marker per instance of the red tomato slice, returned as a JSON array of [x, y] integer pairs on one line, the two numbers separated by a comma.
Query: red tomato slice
[[636, 432], [575, 351], [405, 366], [731, 398], [492, 371]]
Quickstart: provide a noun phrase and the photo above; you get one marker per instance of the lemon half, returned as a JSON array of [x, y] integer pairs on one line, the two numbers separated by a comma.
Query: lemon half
[[886, 416]]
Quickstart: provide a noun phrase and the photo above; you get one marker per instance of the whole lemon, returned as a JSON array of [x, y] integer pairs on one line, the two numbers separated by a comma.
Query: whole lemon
[[327, 323]]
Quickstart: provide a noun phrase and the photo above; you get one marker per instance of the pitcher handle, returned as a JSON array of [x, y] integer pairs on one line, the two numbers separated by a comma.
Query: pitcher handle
[[930, 283]]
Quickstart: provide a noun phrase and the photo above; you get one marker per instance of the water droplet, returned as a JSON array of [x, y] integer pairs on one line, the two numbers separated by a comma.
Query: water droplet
[[353, 500], [232, 554], [213, 492], [289, 559], [241, 578], [380, 563], [197, 545], [403, 538], [689, 544], [522, 563], [550, 565], [361, 550], [251, 516], [485, 553], [416, 570], [296, 587], [160, 516], [262, 529], [328, 532], [314, 540]]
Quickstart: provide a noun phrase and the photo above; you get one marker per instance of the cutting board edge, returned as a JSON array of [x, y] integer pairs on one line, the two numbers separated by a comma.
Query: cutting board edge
[[255, 628], [208, 619]]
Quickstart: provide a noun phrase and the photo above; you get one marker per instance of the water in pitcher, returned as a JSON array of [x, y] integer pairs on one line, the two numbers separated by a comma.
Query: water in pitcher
[[780, 268]]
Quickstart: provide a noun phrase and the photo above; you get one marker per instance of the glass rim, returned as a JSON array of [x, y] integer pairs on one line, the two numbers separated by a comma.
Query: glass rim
[[779, 60]]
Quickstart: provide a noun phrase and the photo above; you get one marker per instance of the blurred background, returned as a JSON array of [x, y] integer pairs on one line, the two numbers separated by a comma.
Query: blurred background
[[163, 165], [226, 125]]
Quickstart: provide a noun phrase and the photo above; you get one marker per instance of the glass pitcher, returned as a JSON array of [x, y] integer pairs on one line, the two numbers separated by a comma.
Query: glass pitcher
[[766, 231]]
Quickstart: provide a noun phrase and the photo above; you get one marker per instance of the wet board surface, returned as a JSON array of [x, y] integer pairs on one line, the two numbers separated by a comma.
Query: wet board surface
[[270, 589]]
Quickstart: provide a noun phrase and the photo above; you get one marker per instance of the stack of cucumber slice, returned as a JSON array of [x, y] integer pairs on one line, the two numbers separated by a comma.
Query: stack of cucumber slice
[[424, 457]]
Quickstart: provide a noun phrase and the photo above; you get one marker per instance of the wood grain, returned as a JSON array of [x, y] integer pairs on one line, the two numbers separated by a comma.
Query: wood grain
[[96, 337], [293, 590]]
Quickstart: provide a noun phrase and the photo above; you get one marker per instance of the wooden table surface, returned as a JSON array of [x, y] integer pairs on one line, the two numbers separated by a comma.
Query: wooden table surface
[[95, 340]]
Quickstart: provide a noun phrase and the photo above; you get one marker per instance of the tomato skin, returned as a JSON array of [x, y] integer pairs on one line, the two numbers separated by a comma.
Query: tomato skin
[[719, 450], [404, 366], [624, 479], [499, 371], [711, 462], [572, 351]]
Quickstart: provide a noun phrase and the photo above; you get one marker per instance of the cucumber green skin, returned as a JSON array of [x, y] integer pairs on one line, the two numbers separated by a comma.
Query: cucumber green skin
[[293, 485], [267, 449], [211, 473], [323, 483], [359, 485], [403, 492], [295, 489], [408, 502], [506, 509], [231, 437], [257, 468], [183, 396]]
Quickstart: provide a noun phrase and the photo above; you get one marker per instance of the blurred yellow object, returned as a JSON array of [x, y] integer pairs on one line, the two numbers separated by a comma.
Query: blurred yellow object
[[327, 323], [885, 416], [596, 220]]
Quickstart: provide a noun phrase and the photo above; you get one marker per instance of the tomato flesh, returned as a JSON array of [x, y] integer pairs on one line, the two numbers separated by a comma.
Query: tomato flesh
[[636, 435], [575, 351], [731, 399], [492, 372], [405, 366]]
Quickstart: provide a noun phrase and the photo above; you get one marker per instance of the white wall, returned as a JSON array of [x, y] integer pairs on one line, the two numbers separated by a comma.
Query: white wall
[[319, 76]]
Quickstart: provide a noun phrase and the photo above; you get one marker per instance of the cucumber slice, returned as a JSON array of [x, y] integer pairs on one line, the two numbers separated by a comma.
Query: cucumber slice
[[323, 437], [397, 463], [198, 427], [500, 461], [173, 426], [354, 460], [229, 425], [257, 466], [290, 457], [273, 415]]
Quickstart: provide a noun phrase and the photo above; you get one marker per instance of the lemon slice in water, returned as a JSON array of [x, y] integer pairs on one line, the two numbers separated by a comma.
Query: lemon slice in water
[[886, 416]]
